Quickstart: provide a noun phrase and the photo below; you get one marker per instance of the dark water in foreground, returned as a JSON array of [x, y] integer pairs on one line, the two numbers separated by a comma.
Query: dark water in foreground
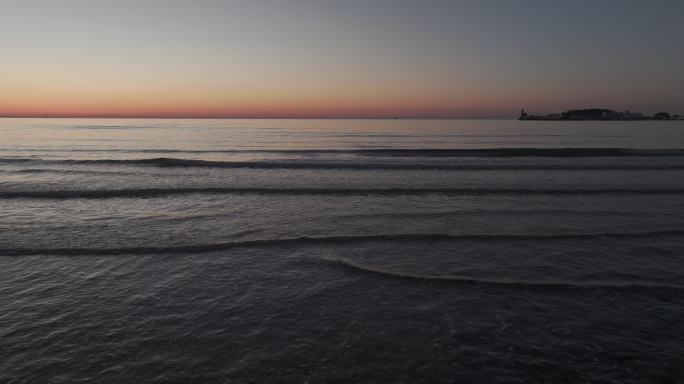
[[341, 251]]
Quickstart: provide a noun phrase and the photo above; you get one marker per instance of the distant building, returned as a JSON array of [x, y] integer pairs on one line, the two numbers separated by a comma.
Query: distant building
[[634, 116]]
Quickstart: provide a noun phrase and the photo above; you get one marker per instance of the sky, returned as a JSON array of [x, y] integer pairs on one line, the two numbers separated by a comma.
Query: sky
[[338, 58]]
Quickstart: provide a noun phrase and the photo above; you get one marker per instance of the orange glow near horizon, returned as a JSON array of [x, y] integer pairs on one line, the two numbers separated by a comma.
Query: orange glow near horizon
[[90, 101]]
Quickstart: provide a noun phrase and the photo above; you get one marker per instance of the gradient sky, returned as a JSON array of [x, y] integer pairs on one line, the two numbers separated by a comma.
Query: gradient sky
[[352, 58]]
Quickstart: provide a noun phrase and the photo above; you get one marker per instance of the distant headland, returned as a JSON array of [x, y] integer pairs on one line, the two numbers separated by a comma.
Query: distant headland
[[599, 114]]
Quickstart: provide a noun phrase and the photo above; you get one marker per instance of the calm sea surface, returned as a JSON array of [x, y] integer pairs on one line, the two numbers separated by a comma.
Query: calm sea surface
[[400, 251]]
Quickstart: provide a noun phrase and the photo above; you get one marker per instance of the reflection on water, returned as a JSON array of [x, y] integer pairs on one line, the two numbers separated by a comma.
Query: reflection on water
[[341, 250]]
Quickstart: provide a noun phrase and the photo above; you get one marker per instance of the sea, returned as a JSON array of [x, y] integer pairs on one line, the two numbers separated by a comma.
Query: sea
[[341, 251]]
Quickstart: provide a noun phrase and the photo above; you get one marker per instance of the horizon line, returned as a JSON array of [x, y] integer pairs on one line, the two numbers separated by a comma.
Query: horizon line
[[501, 116], [189, 117]]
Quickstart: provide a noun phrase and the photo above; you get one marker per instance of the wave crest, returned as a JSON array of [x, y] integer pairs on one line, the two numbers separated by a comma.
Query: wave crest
[[205, 248], [413, 152], [171, 162], [162, 192], [166, 162], [553, 284]]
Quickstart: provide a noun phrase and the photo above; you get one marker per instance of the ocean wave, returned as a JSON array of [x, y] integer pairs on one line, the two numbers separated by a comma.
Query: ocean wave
[[169, 162], [162, 192], [494, 211], [527, 152], [205, 248], [407, 152], [10, 160], [637, 285], [97, 127], [190, 163], [70, 171]]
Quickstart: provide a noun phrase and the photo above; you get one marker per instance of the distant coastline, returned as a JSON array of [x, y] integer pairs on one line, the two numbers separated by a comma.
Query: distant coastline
[[602, 114]]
